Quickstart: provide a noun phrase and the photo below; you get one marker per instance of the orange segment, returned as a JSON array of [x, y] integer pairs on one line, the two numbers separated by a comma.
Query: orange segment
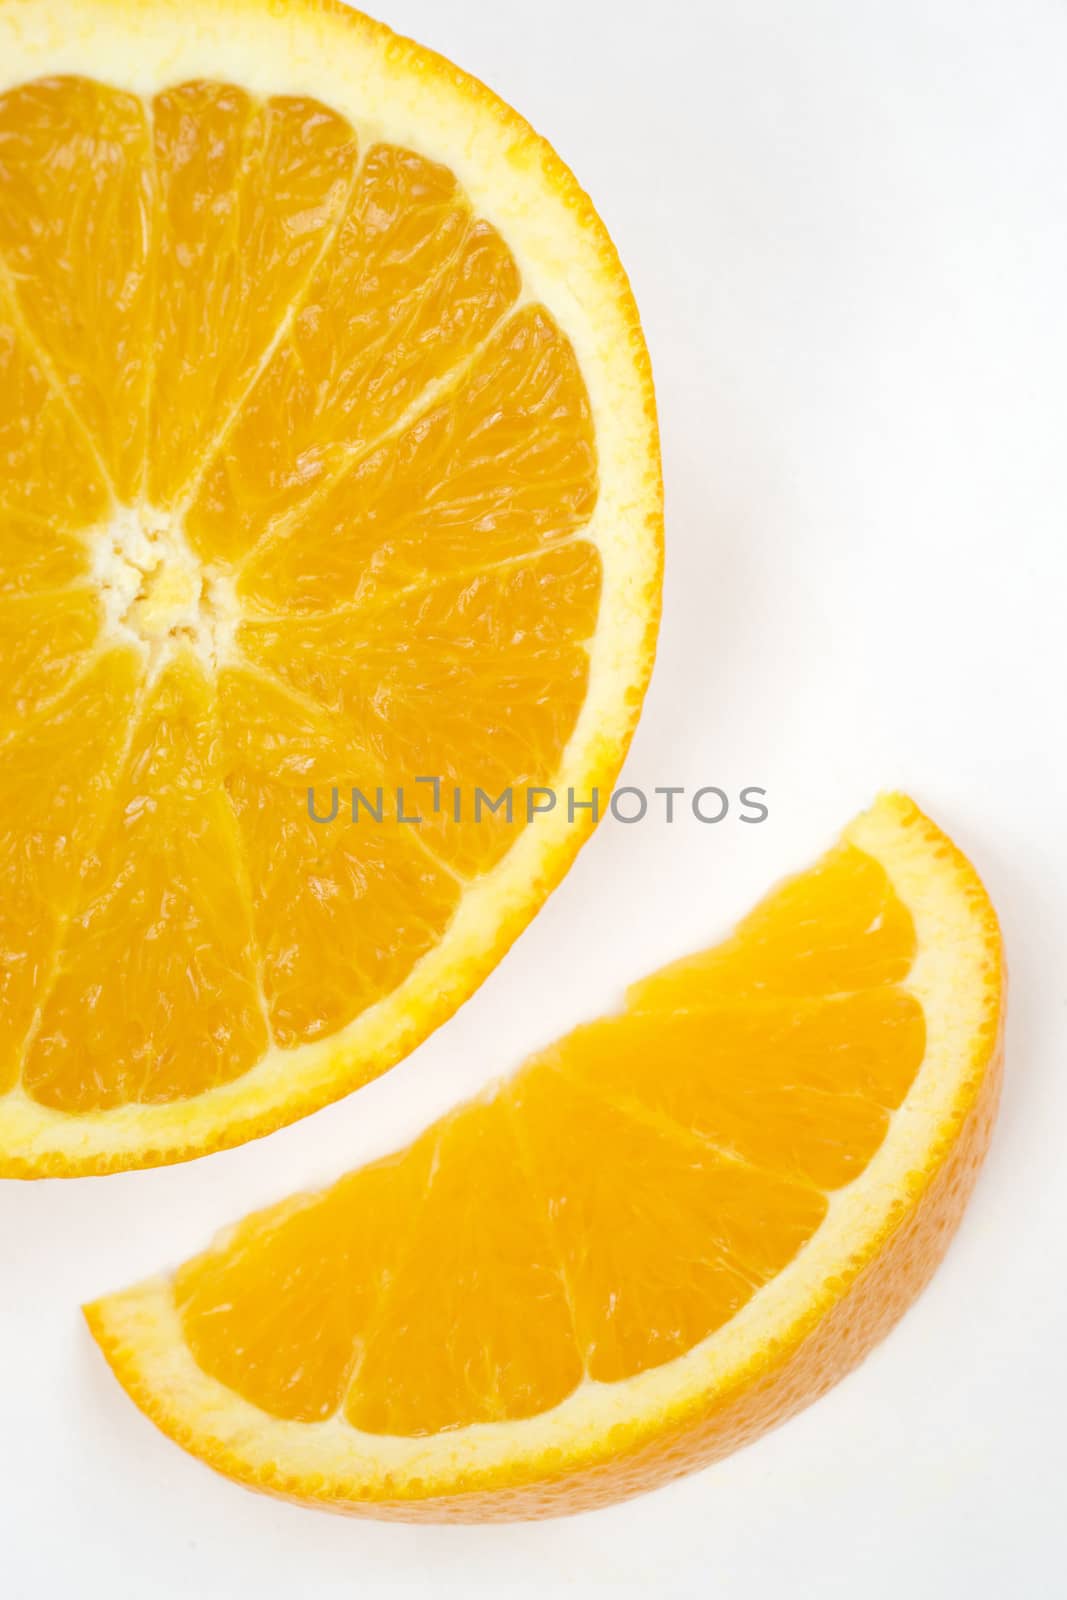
[[504, 463], [483, 694], [482, 1254], [44, 639], [342, 912], [51, 480], [363, 487], [662, 1236], [155, 996], [77, 237], [661, 1240], [800, 1088], [410, 287], [250, 194], [55, 781], [37, 557], [302, 1368], [866, 939]]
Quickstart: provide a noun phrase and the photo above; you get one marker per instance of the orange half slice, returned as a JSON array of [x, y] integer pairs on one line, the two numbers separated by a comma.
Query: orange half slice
[[660, 1238], [330, 463]]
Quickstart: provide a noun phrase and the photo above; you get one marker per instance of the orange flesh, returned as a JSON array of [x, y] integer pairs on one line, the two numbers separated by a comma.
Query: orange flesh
[[229, 332], [606, 1209]]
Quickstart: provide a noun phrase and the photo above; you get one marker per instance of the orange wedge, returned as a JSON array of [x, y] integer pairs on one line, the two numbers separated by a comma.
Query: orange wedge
[[660, 1238], [331, 463]]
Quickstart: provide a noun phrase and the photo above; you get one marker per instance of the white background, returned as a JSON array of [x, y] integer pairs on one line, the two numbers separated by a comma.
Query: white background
[[846, 225]]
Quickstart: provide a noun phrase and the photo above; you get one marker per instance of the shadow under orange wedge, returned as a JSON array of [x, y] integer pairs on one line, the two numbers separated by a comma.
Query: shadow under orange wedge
[[661, 1237], [330, 458]]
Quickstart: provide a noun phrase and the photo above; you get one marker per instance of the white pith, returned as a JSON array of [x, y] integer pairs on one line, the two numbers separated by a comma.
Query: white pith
[[564, 264], [955, 977], [155, 592]]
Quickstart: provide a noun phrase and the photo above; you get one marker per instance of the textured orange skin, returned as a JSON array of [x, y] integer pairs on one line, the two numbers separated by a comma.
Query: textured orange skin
[[431, 1010]]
